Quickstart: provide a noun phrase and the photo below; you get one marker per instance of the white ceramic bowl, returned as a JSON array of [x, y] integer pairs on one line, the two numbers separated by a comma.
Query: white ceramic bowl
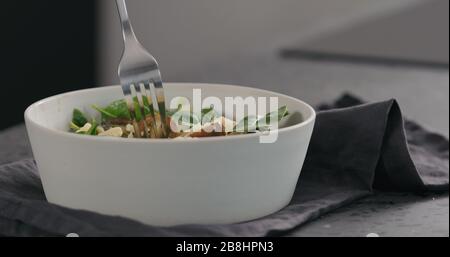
[[168, 182]]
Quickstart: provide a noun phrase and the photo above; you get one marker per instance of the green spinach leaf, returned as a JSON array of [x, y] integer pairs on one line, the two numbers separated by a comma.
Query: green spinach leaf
[[247, 124], [208, 115], [73, 126], [272, 117], [93, 130], [253, 123], [78, 118], [117, 109], [170, 113]]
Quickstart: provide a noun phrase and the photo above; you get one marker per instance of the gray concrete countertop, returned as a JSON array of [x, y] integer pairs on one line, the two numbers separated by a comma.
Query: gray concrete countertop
[[384, 214]]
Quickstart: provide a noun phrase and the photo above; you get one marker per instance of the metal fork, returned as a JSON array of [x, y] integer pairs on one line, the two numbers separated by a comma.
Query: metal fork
[[140, 77]]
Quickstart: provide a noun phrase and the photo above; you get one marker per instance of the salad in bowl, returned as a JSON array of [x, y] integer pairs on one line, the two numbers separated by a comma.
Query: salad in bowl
[[116, 120]]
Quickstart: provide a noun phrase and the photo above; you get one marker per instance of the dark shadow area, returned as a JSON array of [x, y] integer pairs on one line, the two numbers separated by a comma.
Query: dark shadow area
[[349, 58], [48, 48]]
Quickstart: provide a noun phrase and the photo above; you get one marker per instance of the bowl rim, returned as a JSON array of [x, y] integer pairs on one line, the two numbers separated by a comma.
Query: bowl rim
[[28, 118]]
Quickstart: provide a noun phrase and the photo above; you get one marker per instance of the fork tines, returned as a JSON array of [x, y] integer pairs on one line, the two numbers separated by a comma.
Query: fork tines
[[141, 103]]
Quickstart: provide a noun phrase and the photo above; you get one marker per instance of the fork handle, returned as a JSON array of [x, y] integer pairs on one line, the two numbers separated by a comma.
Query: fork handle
[[127, 29]]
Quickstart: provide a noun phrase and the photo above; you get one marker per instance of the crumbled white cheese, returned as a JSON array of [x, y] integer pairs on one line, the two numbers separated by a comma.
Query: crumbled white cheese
[[85, 128], [228, 124], [100, 129], [221, 124], [195, 128], [130, 128], [112, 132], [183, 137]]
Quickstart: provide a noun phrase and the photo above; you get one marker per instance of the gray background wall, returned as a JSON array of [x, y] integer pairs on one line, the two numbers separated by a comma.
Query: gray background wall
[[414, 33], [187, 35]]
